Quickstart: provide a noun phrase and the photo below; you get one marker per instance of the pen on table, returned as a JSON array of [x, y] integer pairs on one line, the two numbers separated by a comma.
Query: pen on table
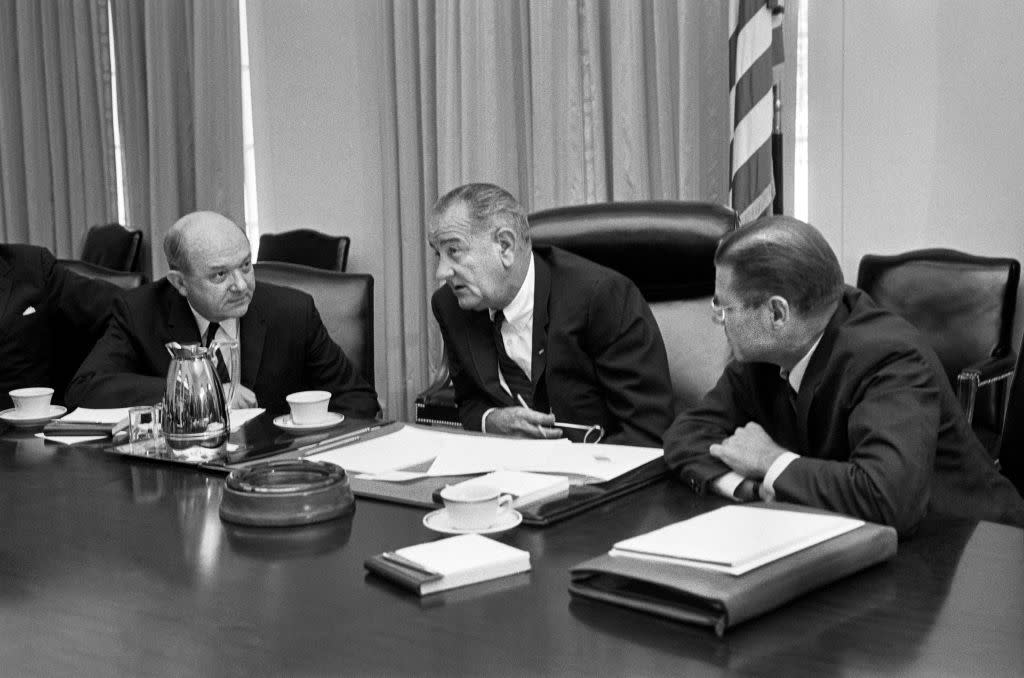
[[411, 564]]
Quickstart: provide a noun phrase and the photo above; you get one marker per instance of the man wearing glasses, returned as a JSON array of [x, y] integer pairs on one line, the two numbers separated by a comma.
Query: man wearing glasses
[[540, 342], [829, 401]]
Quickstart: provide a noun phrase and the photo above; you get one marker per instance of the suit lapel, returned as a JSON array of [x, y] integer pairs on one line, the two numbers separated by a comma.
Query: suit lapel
[[181, 323], [539, 361], [485, 355], [816, 371], [252, 331]]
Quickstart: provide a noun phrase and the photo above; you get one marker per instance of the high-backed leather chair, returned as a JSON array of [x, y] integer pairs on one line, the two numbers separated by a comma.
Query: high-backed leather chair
[[124, 279], [1011, 441], [667, 248], [344, 301], [964, 305], [307, 247], [113, 246]]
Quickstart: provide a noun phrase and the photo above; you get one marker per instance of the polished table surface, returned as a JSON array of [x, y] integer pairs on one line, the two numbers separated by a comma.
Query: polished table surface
[[116, 566]]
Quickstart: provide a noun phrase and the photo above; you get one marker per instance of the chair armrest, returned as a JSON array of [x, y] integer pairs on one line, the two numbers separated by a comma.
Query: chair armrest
[[982, 373]]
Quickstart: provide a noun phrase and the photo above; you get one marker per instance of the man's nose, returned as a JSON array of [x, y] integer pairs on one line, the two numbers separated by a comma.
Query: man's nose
[[238, 281], [443, 271]]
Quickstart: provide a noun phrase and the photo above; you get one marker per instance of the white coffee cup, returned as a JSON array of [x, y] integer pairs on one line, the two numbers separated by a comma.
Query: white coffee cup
[[309, 407], [475, 507], [33, 401]]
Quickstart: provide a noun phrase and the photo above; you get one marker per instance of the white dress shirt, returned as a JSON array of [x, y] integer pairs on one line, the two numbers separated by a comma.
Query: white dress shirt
[[228, 331], [517, 332]]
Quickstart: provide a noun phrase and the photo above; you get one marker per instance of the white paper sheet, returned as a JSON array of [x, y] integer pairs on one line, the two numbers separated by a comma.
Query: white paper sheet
[[97, 416], [239, 416], [69, 440], [405, 447]]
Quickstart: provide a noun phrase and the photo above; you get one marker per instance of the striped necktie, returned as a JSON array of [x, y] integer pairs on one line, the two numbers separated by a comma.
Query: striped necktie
[[222, 370]]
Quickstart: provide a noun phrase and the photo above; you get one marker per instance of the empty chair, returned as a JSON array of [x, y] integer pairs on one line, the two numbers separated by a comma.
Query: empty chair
[[307, 247], [667, 249], [124, 279], [114, 247], [964, 305], [344, 301]]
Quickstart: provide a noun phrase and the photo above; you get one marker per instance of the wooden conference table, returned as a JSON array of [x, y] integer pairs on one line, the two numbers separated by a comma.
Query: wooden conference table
[[116, 566]]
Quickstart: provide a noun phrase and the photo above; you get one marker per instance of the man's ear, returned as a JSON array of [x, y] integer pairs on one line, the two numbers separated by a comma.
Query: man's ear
[[177, 278], [779, 309], [507, 245]]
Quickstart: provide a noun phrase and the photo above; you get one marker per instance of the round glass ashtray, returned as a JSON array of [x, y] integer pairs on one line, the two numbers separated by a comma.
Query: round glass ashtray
[[286, 492]]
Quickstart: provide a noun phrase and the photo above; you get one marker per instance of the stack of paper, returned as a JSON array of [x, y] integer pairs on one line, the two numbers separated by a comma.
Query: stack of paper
[[736, 539], [449, 563]]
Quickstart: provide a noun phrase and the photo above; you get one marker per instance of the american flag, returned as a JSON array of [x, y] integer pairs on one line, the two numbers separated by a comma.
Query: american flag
[[755, 46]]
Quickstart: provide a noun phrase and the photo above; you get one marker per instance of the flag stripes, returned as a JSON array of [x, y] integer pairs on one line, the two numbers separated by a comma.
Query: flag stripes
[[752, 53]]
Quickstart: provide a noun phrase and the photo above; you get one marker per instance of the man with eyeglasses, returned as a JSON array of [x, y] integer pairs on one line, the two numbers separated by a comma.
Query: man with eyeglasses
[[542, 343], [210, 293], [829, 401]]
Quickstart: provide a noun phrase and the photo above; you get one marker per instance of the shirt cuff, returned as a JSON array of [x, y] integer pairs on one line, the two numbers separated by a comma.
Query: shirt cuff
[[726, 485], [767, 490], [483, 420]]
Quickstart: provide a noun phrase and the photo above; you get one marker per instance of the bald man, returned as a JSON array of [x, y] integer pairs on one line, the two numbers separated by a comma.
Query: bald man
[[284, 346]]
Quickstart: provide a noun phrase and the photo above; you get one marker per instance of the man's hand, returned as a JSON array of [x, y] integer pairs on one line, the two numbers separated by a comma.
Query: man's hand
[[522, 421], [749, 451], [242, 398]]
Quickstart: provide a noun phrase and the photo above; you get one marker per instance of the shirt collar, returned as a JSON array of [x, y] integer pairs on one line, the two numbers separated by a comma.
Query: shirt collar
[[229, 325], [796, 375], [520, 309]]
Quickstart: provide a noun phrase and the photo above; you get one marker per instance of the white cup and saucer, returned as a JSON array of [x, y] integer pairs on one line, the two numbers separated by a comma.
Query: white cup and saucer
[[31, 407], [308, 412], [480, 509]]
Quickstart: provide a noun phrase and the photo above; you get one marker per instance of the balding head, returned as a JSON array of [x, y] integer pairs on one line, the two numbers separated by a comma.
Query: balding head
[[211, 264]]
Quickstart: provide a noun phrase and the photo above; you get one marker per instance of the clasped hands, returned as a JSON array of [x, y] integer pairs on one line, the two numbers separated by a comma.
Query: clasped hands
[[749, 451], [522, 421]]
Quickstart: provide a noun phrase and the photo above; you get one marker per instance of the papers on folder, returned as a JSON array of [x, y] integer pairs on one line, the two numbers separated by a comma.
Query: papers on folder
[[460, 454]]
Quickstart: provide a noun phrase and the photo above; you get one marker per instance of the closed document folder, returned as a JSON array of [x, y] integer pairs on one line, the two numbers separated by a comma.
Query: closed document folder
[[701, 586]]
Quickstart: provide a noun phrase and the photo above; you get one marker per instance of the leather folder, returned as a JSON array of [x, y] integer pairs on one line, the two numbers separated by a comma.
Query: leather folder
[[720, 600]]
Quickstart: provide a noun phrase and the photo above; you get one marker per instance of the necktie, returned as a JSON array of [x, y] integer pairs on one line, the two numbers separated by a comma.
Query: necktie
[[515, 378], [222, 370]]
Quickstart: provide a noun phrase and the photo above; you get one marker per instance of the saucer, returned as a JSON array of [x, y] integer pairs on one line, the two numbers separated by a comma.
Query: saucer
[[438, 521], [16, 420], [285, 422]]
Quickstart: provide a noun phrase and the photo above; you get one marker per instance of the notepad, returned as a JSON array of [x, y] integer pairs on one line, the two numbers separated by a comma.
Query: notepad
[[735, 539], [525, 487], [88, 421], [456, 561]]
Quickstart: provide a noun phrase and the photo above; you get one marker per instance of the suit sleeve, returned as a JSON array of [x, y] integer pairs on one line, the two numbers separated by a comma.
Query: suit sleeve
[[717, 416], [630, 364], [472, 401], [114, 375], [84, 303], [328, 368], [892, 427]]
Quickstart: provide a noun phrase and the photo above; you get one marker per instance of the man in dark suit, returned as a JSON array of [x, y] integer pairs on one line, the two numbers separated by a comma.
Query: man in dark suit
[[210, 293], [49, 318], [536, 336], [830, 401]]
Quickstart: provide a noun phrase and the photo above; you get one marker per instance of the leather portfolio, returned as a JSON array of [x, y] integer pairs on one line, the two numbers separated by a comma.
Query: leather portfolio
[[720, 600]]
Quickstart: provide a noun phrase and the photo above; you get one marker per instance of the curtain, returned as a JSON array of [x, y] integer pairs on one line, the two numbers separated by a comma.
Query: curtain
[[57, 174], [560, 103], [180, 106]]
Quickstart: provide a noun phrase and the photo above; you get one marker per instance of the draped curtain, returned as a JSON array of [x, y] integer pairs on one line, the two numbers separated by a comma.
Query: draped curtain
[[56, 123], [559, 102], [180, 108]]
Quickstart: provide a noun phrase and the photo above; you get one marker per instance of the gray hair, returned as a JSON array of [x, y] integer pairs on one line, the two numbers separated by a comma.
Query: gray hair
[[489, 207]]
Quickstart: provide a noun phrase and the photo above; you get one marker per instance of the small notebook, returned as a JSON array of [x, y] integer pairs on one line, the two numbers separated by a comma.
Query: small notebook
[[524, 486], [87, 421], [736, 539], [449, 563]]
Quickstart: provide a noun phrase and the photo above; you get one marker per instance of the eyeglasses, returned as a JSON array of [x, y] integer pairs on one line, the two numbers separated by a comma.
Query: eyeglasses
[[579, 433], [718, 312]]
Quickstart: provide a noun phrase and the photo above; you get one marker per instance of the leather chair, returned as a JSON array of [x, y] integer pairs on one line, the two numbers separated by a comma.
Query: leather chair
[[1011, 442], [307, 247], [124, 279], [964, 305], [667, 248], [344, 301], [113, 246]]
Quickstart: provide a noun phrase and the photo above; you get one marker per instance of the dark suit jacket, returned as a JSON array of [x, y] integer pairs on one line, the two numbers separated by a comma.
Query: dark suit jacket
[[598, 356], [45, 347], [285, 348], [880, 432]]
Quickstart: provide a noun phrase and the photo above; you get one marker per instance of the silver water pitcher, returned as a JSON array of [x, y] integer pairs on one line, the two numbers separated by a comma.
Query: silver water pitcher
[[195, 401]]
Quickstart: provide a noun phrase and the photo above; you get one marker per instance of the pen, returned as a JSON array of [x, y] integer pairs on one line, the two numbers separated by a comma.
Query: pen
[[411, 564]]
